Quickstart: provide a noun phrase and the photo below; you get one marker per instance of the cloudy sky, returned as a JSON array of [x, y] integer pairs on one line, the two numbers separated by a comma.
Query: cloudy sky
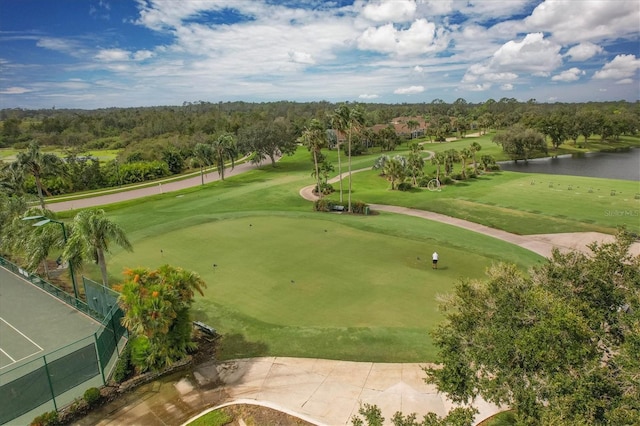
[[104, 53]]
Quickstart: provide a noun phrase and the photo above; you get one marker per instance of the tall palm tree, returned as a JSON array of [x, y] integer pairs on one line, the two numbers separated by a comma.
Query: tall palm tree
[[348, 120], [314, 138], [412, 125], [223, 150], [39, 165], [204, 154], [438, 160], [475, 147], [92, 233], [464, 155]]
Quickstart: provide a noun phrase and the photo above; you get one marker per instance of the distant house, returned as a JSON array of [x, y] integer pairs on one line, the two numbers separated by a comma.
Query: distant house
[[401, 124]]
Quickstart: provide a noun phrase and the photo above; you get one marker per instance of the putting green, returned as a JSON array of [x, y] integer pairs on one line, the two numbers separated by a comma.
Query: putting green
[[297, 271]]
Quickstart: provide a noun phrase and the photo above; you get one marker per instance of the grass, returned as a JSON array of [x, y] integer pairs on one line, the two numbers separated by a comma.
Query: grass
[[363, 290], [212, 418]]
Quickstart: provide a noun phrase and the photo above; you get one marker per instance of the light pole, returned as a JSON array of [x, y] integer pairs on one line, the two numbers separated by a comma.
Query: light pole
[[43, 221]]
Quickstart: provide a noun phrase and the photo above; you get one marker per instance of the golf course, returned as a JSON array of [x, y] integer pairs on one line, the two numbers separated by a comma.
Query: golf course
[[283, 280]]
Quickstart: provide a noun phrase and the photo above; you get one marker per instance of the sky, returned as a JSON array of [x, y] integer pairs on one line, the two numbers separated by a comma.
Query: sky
[[123, 53]]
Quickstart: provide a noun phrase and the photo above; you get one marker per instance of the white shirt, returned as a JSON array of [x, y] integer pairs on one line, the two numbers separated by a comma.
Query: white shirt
[[435, 256]]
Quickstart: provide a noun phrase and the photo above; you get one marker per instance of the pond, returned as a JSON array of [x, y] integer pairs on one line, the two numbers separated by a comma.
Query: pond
[[613, 165]]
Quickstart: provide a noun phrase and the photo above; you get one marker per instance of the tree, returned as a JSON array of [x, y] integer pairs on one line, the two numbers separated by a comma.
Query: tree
[[156, 306], [389, 139], [39, 165], [556, 126], [394, 170], [314, 138], [415, 164], [451, 156], [521, 143], [412, 125], [204, 154], [475, 147], [223, 149], [464, 155], [559, 345], [373, 416], [92, 233], [438, 160], [268, 139], [348, 120]]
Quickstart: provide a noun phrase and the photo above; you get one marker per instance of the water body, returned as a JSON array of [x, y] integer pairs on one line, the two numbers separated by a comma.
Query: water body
[[613, 165]]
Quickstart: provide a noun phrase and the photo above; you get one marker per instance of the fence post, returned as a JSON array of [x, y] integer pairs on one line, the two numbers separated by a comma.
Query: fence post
[[53, 395]]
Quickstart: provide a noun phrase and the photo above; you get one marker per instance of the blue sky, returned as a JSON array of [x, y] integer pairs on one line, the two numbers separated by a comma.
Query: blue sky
[[118, 53]]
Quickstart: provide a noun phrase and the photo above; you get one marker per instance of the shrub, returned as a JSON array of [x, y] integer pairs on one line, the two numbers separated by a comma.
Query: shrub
[[358, 207], [423, 182], [326, 188], [446, 180], [92, 395], [123, 369], [405, 186], [46, 419], [322, 205]]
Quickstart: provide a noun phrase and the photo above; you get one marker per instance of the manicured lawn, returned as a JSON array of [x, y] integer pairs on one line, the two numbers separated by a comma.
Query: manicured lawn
[[522, 203], [291, 282]]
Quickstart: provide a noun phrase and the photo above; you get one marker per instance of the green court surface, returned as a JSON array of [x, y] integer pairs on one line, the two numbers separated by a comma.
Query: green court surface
[[34, 323]]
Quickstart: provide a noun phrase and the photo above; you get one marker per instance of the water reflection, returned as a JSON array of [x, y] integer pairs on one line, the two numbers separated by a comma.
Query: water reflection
[[614, 165]]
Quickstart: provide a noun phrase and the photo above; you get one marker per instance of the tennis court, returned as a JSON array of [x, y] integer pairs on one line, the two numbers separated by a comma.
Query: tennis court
[[47, 350], [33, 322]]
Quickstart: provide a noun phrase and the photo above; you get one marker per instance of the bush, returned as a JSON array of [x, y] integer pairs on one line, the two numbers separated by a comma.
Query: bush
[[47, 419], [322, 205], [124, 368], [446, 180], [326, 188], [423, 182], [358, 207], [91, 396], [405, 186]]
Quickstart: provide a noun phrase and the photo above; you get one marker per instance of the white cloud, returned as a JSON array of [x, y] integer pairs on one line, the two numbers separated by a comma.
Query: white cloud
[[572, 74], [418, 68], [625, 81], [507, 86], [112, 55], [411, 90], [421, 37], [301, 57], [569, 21], [142, 55], [533, 55], [622, 67], [15, 91], [390, 10], [583, 51], [368, 96]]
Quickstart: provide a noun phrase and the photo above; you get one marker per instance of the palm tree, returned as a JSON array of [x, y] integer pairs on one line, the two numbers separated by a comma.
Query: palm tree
[[91, 235], [156, 311], [224, 149], [412, 125], [475, 147], [314, 138], [39, 165], [450, 157], [438, 160], [415, 163], [464, 155], [204, 154], [347, 120], [394, 171]]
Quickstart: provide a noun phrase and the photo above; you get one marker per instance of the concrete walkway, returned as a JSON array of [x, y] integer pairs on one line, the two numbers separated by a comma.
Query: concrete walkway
[[322, 392]]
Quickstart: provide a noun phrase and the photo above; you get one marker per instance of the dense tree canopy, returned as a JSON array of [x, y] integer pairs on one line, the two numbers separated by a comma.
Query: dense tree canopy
[[560, 345]]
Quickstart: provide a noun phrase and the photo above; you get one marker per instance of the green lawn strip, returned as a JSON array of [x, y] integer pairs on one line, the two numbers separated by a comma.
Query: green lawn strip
[[522, 203], [213, 418]]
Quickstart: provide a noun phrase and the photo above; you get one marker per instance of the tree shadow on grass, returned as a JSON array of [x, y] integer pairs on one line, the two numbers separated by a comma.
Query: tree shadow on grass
[[231, 346]]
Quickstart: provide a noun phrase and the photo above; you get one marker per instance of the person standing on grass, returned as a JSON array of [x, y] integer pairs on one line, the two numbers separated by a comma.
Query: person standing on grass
[[434, 256]]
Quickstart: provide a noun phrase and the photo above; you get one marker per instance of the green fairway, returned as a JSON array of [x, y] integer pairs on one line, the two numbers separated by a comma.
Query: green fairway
[[291, 282]]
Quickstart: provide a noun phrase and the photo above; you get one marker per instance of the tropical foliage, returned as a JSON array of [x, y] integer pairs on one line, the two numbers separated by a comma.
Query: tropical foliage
[[156, 307]]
